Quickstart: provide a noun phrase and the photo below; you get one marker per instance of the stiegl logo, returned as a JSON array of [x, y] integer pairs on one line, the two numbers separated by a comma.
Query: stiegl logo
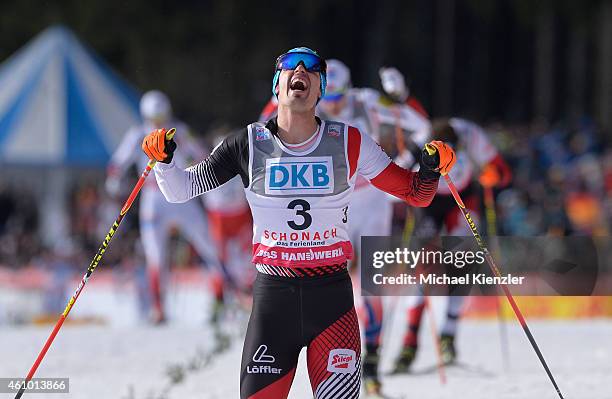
[[261, 356], [299, 175], [342, 361]]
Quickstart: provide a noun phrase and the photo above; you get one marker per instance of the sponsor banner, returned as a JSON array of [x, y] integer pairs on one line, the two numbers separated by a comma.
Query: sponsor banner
[[299, 175], [559, 307], [303, 257], [540, 266]]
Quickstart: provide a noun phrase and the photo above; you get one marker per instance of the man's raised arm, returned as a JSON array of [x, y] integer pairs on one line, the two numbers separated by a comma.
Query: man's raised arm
[[416, 188], [227, 160]]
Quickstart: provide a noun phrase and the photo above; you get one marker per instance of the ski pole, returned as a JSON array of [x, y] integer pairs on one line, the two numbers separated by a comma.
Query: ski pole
[[491, 216], [92, 266], [435, 336], [408, 226], [497, 273], [490, 211], [390, 314], [406, 237]]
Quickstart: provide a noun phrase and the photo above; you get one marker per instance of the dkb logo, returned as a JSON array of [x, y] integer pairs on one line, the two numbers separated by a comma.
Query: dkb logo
[[299, 175]]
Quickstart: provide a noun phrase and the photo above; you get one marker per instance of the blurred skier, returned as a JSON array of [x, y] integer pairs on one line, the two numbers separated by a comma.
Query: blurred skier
[[397, 90], [231, 227], [156, 215], [269, 110], [475, 154], [393, 127]]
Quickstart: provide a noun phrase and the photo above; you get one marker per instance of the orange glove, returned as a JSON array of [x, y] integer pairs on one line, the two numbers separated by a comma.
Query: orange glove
[[489, 177], [439, 157], [158, 147]]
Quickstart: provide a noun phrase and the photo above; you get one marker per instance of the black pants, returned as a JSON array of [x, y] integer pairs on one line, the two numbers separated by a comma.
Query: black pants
[[290, 313]]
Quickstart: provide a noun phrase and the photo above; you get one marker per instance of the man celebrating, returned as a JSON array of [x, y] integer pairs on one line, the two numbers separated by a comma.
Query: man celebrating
[[299, 172]]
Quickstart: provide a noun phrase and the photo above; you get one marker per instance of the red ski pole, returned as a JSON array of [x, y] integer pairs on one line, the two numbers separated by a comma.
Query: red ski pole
[[92, 266], [496, 272]]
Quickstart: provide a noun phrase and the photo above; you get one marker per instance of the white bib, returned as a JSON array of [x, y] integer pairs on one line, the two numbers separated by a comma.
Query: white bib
[[299, 201]]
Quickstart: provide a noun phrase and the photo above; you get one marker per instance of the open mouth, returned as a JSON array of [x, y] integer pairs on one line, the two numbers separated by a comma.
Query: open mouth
[[298, 84]]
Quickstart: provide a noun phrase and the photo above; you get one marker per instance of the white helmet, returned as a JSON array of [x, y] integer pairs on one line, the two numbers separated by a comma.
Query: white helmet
[[393, 83], [155, 106], [338, 79]]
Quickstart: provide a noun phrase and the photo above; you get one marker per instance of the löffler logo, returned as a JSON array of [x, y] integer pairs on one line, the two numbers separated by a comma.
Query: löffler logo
[[260, 356], [342, 361]]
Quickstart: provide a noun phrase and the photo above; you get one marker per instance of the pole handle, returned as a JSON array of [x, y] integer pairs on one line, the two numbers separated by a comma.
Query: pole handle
[[169, 135], [431, 150]]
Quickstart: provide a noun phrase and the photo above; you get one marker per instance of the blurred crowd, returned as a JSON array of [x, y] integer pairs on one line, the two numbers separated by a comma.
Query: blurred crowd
[[19, 222], [562, 180], [562, 186]]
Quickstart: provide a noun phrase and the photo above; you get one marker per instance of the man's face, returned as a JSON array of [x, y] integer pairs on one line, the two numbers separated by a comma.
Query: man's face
[[298, 89], [333, 107]]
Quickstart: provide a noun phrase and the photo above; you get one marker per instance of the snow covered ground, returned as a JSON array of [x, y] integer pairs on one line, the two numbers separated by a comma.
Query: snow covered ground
[[133, 362]]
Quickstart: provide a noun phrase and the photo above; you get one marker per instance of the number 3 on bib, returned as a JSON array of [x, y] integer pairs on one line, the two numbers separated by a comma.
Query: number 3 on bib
[[303, 212], [345, 214]]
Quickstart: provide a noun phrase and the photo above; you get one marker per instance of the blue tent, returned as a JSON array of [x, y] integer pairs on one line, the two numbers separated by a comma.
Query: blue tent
[[60, 104]]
